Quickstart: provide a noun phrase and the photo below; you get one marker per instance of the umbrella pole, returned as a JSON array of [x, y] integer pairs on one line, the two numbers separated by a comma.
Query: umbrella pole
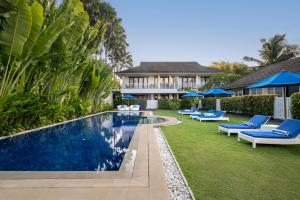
[[284, 102]]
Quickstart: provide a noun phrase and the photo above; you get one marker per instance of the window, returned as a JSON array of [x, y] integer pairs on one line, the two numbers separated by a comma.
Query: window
[[277, 90], [188, 82], [245, 91], [292, 89], [271, 90], [164, 82], [258, 90], [172, 82], [138, 82], [253, 91]]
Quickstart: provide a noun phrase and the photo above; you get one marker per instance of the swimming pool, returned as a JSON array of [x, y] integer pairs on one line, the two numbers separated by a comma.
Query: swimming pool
[[96, 143]]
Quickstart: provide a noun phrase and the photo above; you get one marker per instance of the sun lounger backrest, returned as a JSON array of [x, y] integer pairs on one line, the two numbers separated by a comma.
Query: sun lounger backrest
[[258, 120], [219, 113], [292, 126], [193, 109]]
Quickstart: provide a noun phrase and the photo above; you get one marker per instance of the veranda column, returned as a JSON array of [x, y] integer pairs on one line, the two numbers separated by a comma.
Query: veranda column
[[158, 81], [197, 81]]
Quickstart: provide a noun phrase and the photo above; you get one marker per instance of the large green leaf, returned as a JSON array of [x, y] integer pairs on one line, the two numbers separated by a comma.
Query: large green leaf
[[37, 11], [49, 36], [16, 30], [7, 6], [76, 32]]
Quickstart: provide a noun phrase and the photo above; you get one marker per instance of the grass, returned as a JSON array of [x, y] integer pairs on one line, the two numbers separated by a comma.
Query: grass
[[218, 167]]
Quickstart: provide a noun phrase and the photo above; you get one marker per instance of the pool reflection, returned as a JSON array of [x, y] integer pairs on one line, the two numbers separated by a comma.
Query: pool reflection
[[98, 143]]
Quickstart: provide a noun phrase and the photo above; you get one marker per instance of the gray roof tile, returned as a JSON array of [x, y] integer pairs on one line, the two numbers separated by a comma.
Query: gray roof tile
[[169, 67], [292, 65]]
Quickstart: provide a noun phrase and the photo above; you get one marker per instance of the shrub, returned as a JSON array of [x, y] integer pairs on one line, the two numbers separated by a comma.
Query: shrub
[[232, 104], [163, 104], [106, 107], [25, 111], [117, 100], [250, 104], [209, 103], [174, 104], [295, 105], [186, 103]]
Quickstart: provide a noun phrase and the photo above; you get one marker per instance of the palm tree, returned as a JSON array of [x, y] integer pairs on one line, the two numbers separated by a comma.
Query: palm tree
[[113, 47], [274, 50]]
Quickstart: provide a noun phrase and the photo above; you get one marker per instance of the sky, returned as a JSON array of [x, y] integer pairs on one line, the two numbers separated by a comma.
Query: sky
[[204, 30]]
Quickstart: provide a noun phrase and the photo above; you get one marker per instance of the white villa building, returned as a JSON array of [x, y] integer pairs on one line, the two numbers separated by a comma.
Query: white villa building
[[163, 80]]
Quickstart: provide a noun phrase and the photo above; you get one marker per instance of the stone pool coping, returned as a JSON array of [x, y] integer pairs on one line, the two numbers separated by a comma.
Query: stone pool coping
[[146, 181]]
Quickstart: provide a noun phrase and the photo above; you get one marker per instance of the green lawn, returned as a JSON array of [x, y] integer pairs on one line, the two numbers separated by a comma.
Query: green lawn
[[218, 167]]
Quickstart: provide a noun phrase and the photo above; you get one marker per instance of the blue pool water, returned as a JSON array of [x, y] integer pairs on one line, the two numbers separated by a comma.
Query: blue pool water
[[97, 143]]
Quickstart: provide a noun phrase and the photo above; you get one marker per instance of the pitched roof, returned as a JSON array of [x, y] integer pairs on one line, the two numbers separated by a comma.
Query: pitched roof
[[169, 67], [292, 65]]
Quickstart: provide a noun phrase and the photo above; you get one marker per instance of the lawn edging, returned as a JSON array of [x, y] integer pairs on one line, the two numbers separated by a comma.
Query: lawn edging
[[177, 165]]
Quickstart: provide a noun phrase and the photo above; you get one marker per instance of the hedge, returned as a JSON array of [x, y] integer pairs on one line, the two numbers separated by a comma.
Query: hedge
[[163, 104], [250, 104], [186, 103], [209, 103], [295, 105], [174, 104]]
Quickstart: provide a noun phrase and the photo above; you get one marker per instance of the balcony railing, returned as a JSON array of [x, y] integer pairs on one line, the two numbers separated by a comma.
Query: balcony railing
[[161, 86]]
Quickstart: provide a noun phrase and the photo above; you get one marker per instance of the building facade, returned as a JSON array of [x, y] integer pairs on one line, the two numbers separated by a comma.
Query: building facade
[[163, 80], [239, 87]]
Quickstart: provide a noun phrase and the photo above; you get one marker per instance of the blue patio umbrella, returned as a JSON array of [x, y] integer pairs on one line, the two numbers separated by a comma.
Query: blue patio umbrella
[[282, 79], [128, 97], [217, 92], [192, 94]]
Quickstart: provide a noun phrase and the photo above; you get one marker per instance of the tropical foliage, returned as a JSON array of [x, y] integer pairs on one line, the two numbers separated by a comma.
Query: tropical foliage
[[232, 72], [220, 79], [48, 70], [114, 45], [233, 67], [295, 103], [274, 50]]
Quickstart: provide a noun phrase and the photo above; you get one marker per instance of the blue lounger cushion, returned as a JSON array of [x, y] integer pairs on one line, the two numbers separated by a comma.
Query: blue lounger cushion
[[258, 120], [236, 126], [202, 114], [291, 127], [255, 122], [216, 115], [193, 109], [288, 129], [265, 134]]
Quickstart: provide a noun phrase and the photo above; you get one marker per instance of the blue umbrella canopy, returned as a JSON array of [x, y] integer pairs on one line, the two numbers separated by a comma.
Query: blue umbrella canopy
[[192, 94], [217, 92], [128, 97], [282, 79]]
